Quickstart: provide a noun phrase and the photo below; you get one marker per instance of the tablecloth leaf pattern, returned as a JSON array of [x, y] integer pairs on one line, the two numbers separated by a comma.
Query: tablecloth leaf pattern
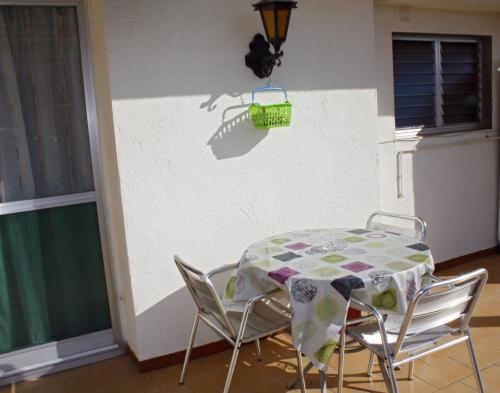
[[380, 268]]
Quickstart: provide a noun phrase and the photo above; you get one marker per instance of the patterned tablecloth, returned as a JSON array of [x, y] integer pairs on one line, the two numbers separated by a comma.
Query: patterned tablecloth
[[320, 268]]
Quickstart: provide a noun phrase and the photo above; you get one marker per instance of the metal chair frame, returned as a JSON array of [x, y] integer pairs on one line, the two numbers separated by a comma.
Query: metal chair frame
[[389, 360], [420, 221], [234, 336], [422, 232]]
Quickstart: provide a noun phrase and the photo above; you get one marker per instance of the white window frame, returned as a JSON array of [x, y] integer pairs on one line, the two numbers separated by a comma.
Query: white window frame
[[409, 132]]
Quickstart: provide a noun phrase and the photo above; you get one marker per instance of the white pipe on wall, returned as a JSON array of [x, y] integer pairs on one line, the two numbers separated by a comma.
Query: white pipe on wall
[[401, 153]]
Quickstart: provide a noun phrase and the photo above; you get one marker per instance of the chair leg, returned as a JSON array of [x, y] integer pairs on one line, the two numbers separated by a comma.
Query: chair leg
[[385, 374], [189, 347], [384, 369], [411, 370], [322, 381], [237, 346], [475, 364], [370, 364], [392, 374], [340, 373], [306, 369], [257, 349], [232, 365], [300, 371]]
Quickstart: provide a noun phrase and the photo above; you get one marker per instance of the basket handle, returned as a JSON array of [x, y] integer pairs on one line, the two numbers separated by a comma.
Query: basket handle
[[267, 88]]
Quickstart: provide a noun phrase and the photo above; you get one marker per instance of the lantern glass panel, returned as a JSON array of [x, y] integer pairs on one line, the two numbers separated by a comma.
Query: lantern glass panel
[[269, 25], [283, 15]]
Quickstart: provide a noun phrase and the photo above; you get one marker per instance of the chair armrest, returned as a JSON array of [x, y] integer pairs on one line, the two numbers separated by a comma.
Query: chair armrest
[[264, 297], [283, 307], [431, 277], [222, 269]]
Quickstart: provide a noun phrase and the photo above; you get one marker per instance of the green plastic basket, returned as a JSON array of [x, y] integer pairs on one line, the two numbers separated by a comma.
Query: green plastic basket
[[271, 116]]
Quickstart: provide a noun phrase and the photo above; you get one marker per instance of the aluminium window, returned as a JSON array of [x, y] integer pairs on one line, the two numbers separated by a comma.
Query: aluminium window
[[441, 83]]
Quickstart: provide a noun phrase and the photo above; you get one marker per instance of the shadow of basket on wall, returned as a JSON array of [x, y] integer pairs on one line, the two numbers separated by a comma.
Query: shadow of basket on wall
[[236, 136]]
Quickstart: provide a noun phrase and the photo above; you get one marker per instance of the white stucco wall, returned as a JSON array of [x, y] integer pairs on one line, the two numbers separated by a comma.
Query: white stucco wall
[[455, 188], [196, 178]]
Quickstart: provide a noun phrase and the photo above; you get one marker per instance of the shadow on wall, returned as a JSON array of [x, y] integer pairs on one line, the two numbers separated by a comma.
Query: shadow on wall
[[236, 136], [211, 105], [152, 321]]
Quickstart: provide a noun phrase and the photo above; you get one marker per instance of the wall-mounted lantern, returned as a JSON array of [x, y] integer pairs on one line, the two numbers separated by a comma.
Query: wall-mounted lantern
[[275, 16]]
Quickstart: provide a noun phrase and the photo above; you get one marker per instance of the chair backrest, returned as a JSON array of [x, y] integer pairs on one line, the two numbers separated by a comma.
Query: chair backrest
[[204, 294], [441, 303], [419, 225]]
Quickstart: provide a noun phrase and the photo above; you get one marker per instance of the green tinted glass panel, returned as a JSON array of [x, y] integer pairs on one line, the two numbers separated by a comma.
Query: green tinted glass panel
[[52, 283]]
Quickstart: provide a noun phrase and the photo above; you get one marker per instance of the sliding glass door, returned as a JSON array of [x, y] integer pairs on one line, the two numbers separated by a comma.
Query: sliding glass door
[[54, 302]]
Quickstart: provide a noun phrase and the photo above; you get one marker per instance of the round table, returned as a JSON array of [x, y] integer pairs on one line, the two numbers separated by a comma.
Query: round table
[[320, 268]]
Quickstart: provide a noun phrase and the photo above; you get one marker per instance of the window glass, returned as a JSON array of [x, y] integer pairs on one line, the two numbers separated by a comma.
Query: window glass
[[437, 83]]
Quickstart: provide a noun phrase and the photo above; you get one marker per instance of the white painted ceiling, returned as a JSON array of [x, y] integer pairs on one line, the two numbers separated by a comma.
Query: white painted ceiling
[[458, 5]]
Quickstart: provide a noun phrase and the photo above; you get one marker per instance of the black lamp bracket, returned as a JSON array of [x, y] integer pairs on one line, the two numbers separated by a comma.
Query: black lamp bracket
[[260, 59]]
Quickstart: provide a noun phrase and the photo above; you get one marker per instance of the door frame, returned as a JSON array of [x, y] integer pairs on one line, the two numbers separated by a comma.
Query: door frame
[[98, 195]]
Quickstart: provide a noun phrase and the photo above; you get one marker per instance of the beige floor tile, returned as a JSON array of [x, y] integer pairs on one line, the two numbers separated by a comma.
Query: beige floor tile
[[256, 372], [122, 363], [209, 379], [490, 377], [479, 334], [135, 384], [491, 292], [486, 353], [60, 378], [356, 359], [376, 384], [493, 341], [27, 386], [268, 385], [51, 389], [95, 380], [168, 377], [177, 389], [443, 372], [457, 387]]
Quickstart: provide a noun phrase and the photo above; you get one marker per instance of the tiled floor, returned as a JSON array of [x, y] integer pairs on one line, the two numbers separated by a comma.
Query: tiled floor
[[445, 372]]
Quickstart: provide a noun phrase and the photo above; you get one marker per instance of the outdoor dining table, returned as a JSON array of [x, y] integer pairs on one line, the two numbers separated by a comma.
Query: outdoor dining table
[[319, 269]]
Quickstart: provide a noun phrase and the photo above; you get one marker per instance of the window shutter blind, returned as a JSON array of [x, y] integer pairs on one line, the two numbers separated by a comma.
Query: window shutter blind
[[414, 83], [460, 81]]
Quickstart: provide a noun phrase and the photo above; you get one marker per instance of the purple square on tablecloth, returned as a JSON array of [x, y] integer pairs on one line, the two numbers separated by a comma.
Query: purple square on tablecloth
[[357, 267], [282, 274], [298, 246]]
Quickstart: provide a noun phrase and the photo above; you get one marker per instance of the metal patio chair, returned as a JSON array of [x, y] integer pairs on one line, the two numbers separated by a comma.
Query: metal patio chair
[[418, 233], [262, 316], [425, 328]]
